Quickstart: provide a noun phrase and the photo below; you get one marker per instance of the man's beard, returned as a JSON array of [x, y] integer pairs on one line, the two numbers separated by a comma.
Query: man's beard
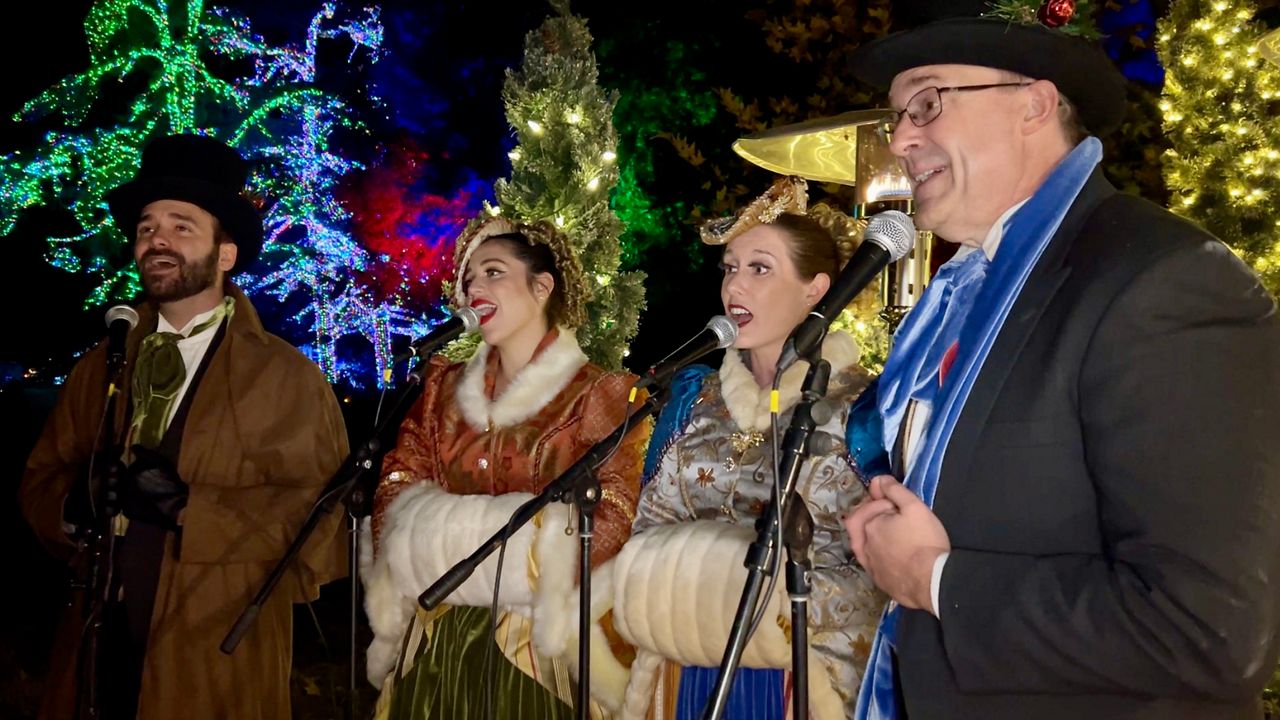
[[189, 279]]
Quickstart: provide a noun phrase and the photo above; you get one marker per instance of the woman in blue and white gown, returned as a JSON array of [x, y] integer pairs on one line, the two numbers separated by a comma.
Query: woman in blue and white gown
[[708, 477]]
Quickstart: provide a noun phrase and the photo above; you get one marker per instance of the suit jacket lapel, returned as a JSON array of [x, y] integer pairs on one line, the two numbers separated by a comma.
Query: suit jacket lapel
[[1041, 286]]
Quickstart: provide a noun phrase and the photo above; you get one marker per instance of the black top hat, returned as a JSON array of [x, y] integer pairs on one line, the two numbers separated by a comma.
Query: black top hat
[[965, 32], [200, 170]]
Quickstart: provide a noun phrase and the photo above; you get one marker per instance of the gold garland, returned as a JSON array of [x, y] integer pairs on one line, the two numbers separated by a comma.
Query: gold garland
[[577, 292]]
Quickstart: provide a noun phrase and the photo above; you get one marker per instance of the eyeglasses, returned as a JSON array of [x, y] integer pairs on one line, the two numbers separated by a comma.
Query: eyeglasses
[[925, 106]]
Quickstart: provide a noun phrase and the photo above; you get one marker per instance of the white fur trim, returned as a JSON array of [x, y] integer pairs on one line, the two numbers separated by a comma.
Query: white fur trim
[[608, 676], [677, 591], [432, 530], [748, 403], [556, 554], [530, 390], [644, 676], [429, 530], [389, 612], [824, 702]]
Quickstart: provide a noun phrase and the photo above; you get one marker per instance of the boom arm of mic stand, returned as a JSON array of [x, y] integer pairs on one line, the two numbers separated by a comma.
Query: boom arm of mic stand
[[761, 554], [344, 486], [557, 489], [579, 485]]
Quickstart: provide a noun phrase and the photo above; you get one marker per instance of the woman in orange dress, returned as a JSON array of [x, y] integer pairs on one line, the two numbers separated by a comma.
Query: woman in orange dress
[[486, 436]]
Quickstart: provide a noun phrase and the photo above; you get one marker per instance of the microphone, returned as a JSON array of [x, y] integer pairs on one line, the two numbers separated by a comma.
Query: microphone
[[889, 237], [720, 332], [120, 320], [465, 320]]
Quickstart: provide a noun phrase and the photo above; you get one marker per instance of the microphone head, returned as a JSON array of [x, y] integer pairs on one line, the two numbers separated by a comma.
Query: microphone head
[[122, 312], [726, 330], [892, 230], [469, 317]]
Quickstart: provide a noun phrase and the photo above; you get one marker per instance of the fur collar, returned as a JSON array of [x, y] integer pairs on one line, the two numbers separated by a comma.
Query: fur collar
[[532, 388], [748, 403]]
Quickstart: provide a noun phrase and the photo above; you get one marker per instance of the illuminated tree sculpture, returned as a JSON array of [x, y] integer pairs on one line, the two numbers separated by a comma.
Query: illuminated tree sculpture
[[158, 67]]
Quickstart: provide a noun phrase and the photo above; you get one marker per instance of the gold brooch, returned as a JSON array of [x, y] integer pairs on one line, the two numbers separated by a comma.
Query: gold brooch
[[742, 442]]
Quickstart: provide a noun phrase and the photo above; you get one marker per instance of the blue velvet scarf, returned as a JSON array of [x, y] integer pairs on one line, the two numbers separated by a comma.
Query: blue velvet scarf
[[966, 305]]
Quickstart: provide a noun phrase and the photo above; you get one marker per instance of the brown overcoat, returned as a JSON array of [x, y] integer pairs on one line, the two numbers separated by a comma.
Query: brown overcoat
[[263, 437]]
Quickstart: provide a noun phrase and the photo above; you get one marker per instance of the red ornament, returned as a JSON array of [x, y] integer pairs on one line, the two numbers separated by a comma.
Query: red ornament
[[1056, 13]]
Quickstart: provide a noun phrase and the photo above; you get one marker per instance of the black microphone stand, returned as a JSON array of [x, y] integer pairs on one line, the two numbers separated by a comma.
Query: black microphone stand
[[797, 537], [761, 556], [577, 485], [99, 544], [350, 486]]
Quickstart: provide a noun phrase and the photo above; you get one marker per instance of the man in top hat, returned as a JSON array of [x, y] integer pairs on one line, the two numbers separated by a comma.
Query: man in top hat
[[1081, 411], [226, 434]]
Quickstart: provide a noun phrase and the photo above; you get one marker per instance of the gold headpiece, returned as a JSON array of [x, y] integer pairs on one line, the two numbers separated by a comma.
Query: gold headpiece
[[787, 194], [577, 292], [845, 229]]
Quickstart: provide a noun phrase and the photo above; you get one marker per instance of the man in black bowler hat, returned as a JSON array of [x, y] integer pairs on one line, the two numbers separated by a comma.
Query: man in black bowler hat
[[1081, 411], [225, 435]]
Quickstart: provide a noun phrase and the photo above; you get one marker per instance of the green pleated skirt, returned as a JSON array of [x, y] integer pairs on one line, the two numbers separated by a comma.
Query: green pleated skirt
[[456, 671]]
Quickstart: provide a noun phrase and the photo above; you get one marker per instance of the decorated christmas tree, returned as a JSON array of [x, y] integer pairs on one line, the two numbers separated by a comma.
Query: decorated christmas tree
[[1223, 168], [564, 168]]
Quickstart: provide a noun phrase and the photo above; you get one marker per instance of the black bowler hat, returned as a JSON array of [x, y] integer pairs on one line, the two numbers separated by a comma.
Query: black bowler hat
[[200, 170], [966, 32]]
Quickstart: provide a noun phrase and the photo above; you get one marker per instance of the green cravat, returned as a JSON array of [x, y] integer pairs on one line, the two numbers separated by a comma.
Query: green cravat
[[158, 376]]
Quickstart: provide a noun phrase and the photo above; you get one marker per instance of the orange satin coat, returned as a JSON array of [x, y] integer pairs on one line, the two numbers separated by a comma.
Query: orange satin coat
[[436, 444]]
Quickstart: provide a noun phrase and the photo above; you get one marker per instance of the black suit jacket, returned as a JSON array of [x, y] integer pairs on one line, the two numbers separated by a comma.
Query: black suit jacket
[[1111, 489]]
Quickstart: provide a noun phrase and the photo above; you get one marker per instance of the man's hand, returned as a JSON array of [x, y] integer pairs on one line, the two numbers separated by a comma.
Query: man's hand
[[151, 490], [897, 539]]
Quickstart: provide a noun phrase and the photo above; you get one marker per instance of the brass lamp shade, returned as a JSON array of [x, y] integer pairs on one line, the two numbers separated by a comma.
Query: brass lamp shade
[[847, 149], [1269, 47], [844, 149]]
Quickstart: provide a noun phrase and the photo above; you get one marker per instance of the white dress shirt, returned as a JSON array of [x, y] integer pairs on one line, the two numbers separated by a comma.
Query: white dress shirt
[[192, 347]]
